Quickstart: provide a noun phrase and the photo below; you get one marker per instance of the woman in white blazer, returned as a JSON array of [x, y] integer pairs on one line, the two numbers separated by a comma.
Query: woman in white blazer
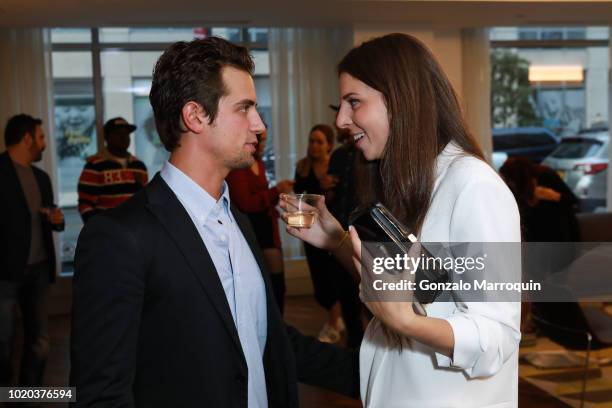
[[421, 162]]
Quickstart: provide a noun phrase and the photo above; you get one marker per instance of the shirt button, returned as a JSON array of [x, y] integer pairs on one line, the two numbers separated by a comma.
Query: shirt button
[[223, 238]]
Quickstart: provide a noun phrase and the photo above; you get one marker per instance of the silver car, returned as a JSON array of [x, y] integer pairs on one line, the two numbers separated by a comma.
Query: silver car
[[582, 162]]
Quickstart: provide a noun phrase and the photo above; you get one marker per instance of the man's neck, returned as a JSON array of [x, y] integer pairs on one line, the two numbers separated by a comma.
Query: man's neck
[[204, 171], [122, 154], [20, 157]]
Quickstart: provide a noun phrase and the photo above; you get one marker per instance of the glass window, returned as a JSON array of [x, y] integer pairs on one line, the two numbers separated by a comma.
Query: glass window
[[230, 34], [126, 83], [258, 35], [70, 35], [563, 90], [577, 148], [75, 137], [150, 35]]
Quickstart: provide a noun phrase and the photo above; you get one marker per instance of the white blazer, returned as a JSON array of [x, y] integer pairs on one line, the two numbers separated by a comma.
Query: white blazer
[[471, 203]]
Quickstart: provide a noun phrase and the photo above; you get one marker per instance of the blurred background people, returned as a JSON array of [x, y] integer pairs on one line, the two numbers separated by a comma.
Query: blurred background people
[[110, 178], [334, 288], [546, 203], [249, 191], [27, 254]]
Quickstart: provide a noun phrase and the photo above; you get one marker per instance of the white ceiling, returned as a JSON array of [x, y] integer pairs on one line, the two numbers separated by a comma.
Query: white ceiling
[[449, 13]]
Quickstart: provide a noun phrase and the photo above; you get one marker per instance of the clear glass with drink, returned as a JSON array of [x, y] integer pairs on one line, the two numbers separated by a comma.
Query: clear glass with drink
[[302, 209]]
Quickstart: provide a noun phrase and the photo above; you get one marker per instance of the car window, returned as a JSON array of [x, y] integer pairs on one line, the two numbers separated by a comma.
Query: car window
[[577, 148], [518, 140], [541, 139]]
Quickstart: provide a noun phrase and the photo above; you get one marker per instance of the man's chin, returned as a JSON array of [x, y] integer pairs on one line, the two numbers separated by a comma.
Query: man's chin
[[244, 162]]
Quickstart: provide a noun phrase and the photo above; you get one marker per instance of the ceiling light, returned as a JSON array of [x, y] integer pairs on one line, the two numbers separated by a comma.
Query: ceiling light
[[556, 73]]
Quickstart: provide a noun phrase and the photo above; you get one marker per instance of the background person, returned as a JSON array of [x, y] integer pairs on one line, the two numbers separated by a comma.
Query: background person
[[27, 254], [113, 176], [311, 177]]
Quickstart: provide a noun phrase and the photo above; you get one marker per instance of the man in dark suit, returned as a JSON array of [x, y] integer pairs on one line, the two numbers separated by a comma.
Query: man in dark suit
[[172, 303], [27, 255]]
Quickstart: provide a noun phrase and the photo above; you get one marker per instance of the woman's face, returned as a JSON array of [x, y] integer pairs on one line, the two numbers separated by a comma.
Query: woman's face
[[317, 145], [364, 114]]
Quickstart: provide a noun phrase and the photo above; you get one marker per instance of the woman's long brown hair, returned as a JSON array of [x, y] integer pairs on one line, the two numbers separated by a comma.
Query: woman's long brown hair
[[424, 115]]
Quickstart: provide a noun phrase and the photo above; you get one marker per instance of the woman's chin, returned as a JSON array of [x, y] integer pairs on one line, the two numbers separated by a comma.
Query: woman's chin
[[369, 155]]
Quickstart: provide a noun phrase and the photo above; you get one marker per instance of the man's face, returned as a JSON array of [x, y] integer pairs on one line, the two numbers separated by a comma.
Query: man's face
[[38, 144], [118, 139], [232, 137]]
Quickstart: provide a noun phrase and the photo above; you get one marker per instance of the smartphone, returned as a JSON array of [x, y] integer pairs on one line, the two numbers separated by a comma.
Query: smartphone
[[376, 224]]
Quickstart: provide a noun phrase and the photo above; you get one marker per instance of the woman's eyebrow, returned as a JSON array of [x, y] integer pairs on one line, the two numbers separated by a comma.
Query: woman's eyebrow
[[348, 95]]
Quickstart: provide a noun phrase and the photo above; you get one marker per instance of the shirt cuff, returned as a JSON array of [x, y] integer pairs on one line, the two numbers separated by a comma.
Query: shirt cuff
[[467, 344]]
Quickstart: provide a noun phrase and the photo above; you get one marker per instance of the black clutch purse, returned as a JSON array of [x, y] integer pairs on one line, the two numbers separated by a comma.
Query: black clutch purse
[[377, 225]]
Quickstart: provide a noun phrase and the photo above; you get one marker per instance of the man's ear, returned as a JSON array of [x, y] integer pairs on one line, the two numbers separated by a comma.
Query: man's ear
[[28, 140], [194, 117]]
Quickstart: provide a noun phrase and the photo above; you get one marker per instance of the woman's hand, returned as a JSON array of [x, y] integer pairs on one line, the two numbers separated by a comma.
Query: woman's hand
[[396, 314], [326, 232]]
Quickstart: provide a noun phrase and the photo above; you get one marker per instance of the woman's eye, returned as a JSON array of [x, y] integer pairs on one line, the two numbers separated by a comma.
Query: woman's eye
[[353, 102]]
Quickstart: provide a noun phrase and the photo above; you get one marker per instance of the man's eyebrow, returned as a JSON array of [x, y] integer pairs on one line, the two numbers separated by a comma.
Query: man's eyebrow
[[247, 102]]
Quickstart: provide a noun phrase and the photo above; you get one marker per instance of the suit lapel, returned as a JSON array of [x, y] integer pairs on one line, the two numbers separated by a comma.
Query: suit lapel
[[176, 221]]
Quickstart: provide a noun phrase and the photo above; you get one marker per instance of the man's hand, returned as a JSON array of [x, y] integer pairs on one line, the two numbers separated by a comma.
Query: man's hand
[[54, 215]]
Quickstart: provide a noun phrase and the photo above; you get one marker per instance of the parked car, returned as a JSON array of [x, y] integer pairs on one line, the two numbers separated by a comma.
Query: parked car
[[582, 162], [535, 143]]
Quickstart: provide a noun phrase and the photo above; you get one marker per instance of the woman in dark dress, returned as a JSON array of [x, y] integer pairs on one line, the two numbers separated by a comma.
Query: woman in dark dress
[[250, 192], [334, 288]]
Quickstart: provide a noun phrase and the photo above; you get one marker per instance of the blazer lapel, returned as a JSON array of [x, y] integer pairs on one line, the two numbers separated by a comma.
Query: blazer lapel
[[168, 210]]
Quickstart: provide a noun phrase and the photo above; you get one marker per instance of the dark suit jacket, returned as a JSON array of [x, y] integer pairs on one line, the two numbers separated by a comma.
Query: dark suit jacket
[[15, 219], [152, 327]]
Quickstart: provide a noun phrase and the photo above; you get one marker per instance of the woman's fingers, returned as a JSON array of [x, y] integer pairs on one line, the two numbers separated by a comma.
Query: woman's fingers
[[356, 241]]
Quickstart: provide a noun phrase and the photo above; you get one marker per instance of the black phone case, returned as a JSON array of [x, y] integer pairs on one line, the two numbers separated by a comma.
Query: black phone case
[[376, 224]]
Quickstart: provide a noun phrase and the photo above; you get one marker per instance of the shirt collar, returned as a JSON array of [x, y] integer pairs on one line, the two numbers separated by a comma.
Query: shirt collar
[[446, 157], [192, 196]]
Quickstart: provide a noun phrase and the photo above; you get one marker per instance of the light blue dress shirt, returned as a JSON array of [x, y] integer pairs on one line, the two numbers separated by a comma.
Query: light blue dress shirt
[[237, 269]]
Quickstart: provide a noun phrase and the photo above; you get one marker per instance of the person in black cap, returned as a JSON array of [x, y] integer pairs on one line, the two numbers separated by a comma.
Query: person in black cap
[[109, 178]]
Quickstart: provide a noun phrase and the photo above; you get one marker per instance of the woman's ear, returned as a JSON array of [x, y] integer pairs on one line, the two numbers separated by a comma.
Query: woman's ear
[[194, 117]]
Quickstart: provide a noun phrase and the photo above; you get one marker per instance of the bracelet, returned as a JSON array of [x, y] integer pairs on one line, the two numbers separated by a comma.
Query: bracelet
[[344, 238]]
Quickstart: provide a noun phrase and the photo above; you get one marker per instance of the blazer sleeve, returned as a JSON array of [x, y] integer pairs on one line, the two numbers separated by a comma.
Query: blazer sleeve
[[108, 292], [486, 334], [325, 365]]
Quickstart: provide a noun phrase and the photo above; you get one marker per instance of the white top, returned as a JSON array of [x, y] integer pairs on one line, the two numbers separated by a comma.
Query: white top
[[470, 203]]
